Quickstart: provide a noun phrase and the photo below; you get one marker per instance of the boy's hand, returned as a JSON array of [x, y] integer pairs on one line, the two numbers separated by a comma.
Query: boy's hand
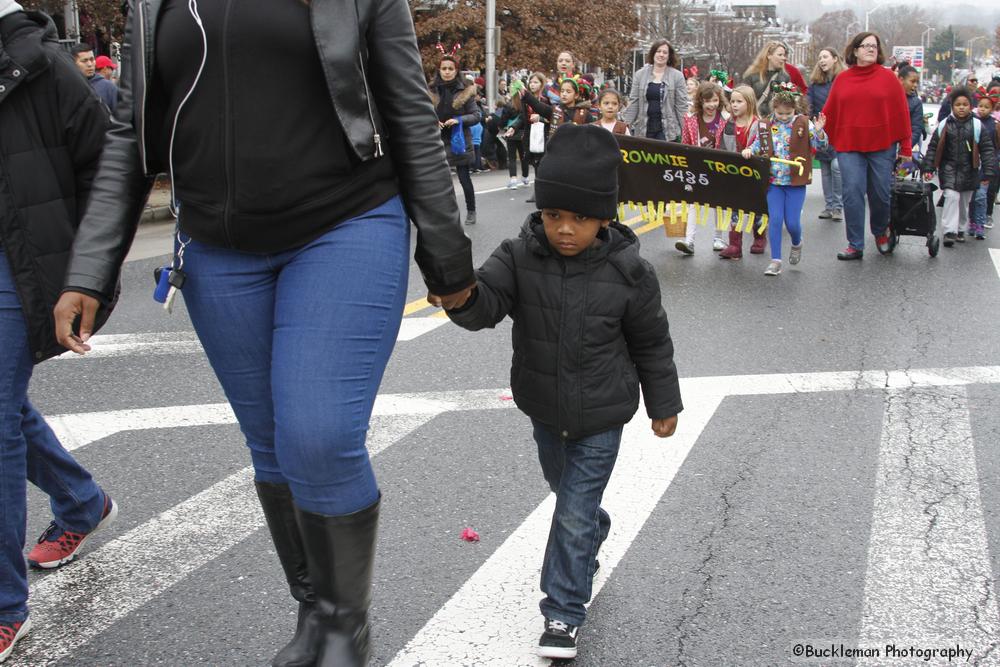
[[450, 301], [664, 428]]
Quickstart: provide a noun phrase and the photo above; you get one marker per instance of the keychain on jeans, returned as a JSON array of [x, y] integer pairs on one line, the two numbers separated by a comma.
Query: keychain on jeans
[[170, 279]]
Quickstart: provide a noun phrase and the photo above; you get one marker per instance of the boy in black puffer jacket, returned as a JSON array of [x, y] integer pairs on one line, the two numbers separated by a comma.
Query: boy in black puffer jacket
[[589, 329]]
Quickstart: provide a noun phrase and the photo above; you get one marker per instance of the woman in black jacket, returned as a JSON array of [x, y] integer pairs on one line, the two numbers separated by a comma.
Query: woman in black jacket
[[294, 201], [455, 104]]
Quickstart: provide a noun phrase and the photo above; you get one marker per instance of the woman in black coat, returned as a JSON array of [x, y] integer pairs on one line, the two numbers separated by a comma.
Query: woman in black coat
[[296, 200], [455, 103]]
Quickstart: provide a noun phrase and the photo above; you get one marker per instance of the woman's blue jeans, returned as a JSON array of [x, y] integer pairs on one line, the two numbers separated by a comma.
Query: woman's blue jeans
[[577, 472], [299, 340], [866, 174], [30, 451], [833, 189]]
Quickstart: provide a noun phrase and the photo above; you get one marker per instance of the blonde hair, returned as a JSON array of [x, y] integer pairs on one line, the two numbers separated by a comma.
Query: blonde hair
[[819, 76], [746, 92], [759, 66]]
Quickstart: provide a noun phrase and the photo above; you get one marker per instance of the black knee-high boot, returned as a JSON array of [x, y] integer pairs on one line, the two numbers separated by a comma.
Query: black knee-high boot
[[341, 555], [279, 510]]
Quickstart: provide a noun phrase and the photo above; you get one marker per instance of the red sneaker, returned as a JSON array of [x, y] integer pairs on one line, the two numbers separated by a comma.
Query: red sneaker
[[57, 546], [10, 634]]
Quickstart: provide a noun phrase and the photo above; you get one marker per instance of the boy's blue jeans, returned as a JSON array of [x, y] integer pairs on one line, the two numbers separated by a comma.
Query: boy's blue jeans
[[299, 340], [577, 472], [30, 451]]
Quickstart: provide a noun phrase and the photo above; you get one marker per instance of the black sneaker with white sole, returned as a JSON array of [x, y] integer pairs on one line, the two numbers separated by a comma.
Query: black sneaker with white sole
[[558, 641]]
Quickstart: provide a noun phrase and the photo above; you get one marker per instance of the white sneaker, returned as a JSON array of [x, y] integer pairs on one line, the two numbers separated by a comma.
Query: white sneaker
[[512, 185], [795, 256], [718, 244], [989, 222], [774, 268], [686, 247], [526, 181]]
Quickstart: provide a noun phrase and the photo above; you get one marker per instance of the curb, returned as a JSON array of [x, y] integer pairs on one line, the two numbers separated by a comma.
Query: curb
[[156, 214]]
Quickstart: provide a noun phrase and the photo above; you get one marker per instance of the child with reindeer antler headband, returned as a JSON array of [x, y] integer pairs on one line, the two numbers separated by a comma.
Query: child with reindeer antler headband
[[788, 137]]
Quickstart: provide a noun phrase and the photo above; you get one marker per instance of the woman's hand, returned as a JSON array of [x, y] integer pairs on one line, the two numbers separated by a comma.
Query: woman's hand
[[747, 153], [450, 122], [450, 301], [820, 122], [70, 306], [664, 428], [534, 118]]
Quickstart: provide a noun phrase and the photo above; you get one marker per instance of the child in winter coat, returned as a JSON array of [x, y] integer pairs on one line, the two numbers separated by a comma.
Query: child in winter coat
[[787, 135], [610, 103], [963, 156], [704, 128], [589, 330], [574, 106], [978, 209], [740, 132]]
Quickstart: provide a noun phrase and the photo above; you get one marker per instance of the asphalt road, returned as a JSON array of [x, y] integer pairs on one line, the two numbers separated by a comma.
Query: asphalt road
[[833, 484]]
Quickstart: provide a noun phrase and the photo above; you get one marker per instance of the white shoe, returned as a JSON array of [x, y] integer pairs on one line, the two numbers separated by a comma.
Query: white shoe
[[718, 244], [512, 185], [525, 181], [795, 256], [774, 268], [686, 247]]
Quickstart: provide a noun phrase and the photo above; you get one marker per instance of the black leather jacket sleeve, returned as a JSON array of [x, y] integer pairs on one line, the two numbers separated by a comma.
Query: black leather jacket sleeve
[[117, 197], [443, 252]]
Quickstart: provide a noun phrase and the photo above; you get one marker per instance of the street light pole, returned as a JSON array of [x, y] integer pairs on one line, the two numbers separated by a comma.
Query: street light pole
[[847, 30], [869, 13], [491, 54]]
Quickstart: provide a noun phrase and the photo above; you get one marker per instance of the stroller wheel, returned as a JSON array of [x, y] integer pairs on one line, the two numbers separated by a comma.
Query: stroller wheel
[[933, 245]]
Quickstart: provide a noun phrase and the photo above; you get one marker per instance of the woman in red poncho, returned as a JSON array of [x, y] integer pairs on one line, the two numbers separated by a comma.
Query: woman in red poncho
[[868, 121]]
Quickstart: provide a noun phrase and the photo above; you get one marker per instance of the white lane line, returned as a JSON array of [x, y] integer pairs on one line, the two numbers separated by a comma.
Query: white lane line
[[78, 430], [929, 581], [413, 327], [186, 342], [81, 429], [493, 619], [995, 256], [70, 607], [120, 345]]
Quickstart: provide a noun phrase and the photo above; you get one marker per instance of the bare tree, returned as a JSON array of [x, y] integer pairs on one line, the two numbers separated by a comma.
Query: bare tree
[[533, 33], [899, 25], [833, 30]]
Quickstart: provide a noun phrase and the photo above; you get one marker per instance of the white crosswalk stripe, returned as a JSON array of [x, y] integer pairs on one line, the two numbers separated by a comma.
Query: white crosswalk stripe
[[186, 342], [495, 612]]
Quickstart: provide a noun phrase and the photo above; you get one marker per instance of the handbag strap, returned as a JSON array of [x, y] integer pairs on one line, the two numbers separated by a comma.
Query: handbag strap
[[767, 89]]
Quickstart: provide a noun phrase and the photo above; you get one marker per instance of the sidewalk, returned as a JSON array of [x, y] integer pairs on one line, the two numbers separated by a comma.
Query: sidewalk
[[158, 205]]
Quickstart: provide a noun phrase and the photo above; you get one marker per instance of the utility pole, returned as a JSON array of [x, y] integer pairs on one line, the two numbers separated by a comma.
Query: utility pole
[[491, 54], [72, 14]]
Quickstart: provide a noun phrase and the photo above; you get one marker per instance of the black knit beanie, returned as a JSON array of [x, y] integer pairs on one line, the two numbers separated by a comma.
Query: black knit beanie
[[579, 172]]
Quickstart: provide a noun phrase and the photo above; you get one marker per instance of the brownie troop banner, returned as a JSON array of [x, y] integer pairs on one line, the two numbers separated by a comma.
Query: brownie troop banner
[[665, 180]]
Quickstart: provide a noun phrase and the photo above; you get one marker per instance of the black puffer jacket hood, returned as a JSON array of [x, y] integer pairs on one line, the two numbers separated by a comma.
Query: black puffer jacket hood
[[588, 330]]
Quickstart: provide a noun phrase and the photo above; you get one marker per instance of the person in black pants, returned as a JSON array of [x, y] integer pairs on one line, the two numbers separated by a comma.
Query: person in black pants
[[455, 104]]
